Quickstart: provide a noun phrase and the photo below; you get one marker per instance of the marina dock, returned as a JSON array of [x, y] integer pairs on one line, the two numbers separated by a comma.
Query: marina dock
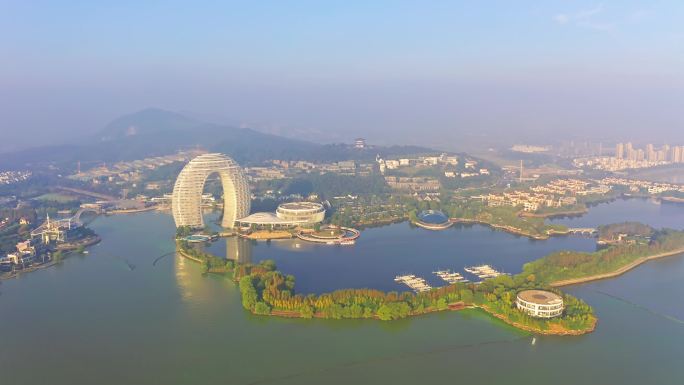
[[483, 271], [449, 277], [416, 284], [419, 284]]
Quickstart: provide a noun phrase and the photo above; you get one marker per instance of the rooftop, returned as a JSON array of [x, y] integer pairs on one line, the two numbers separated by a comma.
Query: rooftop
[[540, 297], [301, 206], [265, 218]]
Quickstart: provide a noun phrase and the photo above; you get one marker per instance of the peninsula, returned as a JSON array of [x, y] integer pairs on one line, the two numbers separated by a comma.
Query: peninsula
[[267, 291]]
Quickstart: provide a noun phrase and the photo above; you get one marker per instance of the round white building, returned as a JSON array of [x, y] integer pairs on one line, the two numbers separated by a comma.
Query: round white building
[[540, 303], [186, 202], [301, 212]]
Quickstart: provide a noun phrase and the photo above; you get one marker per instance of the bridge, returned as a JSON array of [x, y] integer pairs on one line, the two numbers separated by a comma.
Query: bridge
[[56, 229], [590, 231], [86, 208]]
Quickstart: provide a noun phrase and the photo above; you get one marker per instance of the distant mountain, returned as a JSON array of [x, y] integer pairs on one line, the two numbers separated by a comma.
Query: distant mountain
[[153, 132], [147, 121]]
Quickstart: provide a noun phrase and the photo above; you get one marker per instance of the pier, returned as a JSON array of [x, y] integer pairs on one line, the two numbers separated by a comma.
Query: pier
[[416, 284], [347, 238], [483, 271], [449, 277]]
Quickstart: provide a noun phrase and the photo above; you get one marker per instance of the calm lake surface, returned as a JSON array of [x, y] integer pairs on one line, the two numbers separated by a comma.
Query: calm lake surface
[[131, 312], [382, 253]]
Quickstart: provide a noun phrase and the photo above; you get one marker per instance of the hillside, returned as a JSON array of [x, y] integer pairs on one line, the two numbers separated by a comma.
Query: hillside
[[153, 132]]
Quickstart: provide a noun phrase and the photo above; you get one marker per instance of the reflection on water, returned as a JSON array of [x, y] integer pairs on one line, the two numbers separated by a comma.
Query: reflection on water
[[189, 273], [166, 322], [187, 278], [239, 250]]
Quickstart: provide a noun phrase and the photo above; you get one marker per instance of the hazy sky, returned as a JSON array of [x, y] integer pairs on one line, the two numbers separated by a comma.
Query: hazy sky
[[422, 72]]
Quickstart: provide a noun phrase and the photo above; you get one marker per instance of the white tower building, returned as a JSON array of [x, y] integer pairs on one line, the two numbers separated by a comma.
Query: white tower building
[[187, 192]]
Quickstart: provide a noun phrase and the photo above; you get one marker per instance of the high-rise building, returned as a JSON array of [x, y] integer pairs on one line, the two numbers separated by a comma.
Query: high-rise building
[[640, 155], [187, 192], [661, 155], [651, 153], [678, 154], [620, 151], [629, 151]]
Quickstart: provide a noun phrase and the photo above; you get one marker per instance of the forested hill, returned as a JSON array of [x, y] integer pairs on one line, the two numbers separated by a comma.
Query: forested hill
[[154, 132]]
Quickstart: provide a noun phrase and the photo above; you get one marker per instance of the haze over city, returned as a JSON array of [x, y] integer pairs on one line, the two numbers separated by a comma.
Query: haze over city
[[458, 72], [342, 192]]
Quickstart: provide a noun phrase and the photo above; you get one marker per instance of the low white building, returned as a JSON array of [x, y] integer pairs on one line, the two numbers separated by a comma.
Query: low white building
[[301, 212], [540, 303]]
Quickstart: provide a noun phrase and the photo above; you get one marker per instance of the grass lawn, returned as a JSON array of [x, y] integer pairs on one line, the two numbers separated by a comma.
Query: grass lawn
[[57, 197]]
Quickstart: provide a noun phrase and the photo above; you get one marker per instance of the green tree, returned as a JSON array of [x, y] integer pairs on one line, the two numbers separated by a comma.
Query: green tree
[[57, 256], [306, 311], [262, 308], [249, 293]]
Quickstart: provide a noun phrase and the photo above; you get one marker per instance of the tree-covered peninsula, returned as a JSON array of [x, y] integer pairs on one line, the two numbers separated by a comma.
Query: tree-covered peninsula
[[633, 248], [267, 291]]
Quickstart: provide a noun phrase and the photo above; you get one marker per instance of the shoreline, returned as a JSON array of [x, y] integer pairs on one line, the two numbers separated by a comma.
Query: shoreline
[[568, 213], [564, 332], [456, 306], [131, 211], [379, 223], [186, 255], [28, 270], [506, 228], [86, 242], [434, 226], [672, 199], [615, 273]]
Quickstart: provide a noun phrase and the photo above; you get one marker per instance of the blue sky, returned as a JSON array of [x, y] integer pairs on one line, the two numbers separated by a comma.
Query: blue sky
[[340, 69]]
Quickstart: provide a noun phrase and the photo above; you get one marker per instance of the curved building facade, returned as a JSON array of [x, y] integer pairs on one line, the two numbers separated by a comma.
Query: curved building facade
[[301, 212], [540, 303], [186, 202]]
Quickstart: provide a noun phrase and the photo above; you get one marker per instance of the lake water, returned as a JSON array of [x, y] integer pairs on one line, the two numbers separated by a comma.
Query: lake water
[[648, 211], [131, 313], [382, 253]]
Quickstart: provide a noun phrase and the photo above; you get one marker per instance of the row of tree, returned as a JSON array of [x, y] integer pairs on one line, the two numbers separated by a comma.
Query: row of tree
[[265, 290], [575, 264], [273, 291]]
